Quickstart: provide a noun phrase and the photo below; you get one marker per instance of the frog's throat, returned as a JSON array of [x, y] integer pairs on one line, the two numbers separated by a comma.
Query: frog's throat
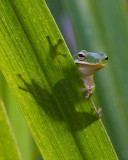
[[88, 69], [100, 65]]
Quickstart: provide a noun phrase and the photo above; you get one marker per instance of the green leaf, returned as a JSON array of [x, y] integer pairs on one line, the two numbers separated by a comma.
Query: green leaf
[[102, 26], [22, 134], [39, 68], [8, 147]]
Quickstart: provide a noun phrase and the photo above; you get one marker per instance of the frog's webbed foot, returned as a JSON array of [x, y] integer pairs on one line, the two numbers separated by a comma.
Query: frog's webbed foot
[[89, 92], [99, 110]]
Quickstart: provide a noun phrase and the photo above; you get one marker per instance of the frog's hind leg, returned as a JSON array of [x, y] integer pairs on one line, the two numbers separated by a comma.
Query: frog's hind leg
[[99, 110]]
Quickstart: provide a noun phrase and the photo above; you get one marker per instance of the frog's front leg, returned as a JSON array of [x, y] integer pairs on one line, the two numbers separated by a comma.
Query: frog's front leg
[[90, 86], [89, 92]]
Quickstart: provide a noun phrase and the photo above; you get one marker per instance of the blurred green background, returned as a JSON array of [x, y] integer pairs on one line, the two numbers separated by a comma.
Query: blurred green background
[[97, 26]]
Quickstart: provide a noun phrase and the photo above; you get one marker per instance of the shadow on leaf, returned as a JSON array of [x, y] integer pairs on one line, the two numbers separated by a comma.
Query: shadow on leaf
[[53, 49], [60, 102]]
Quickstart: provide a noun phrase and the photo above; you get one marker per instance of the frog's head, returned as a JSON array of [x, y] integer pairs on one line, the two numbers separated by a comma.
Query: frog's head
[[90, 57], [91, 61]]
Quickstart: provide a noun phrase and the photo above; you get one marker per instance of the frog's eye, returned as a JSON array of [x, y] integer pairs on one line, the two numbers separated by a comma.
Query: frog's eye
[[106, 58], [81, 56]]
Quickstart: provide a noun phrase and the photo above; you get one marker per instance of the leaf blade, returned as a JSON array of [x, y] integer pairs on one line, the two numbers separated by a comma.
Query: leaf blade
[[40, 77], [8, 147]]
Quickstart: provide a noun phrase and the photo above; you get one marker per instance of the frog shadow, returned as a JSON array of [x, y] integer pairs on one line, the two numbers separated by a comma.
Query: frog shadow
[[55, 108], [53, 48]]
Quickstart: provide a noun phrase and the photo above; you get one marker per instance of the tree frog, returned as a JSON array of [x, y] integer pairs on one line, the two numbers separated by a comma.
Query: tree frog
[[88, 63]]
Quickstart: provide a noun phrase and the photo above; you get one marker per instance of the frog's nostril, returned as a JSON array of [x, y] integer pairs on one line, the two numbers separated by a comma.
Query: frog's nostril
[[106, 58]]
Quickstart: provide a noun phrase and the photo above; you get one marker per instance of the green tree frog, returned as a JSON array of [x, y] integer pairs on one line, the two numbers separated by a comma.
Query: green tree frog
[[88, 63]]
